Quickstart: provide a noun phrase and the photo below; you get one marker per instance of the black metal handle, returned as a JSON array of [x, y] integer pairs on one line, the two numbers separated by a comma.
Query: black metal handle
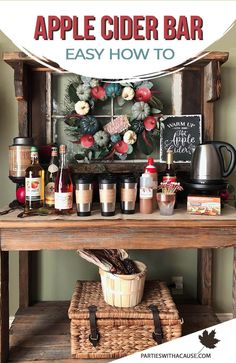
[[219, 146]]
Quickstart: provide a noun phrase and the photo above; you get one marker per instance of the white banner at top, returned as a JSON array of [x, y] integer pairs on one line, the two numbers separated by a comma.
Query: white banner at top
[[115, 40]]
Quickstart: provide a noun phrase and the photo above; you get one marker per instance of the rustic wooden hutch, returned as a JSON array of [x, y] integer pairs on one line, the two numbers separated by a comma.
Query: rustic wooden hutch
[[197, 86]]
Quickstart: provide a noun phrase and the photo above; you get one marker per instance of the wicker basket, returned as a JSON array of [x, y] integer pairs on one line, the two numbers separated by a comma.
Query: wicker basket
[[123, 291], [122, 331]]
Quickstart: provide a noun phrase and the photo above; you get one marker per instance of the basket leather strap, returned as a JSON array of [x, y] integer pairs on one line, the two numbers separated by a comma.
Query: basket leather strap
[[94, 335], [157, 334]]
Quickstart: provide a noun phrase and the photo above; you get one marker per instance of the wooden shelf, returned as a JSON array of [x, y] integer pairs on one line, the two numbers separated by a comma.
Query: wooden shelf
[[42, 333]]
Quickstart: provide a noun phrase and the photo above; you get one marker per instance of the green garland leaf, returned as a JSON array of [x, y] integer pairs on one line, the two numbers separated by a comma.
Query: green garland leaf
[[72, 93], [156, 103], [145, 144]]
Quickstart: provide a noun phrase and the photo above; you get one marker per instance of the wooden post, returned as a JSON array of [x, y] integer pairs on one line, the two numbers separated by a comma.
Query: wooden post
[[4, 307], [20, 80], [24, 299], [234, 284], [212, 90], [204, 286]]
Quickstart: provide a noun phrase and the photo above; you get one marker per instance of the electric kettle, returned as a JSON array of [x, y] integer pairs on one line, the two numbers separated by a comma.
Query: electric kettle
[[208, 165]]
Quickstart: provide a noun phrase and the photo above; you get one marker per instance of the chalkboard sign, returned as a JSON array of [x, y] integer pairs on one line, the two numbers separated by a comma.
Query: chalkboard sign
[[180, 134]]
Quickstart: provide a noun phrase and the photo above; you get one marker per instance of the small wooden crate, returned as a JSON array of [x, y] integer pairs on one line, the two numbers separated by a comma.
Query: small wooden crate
[[122, 331]]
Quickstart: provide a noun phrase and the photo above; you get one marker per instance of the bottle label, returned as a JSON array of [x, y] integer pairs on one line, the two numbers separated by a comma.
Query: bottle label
[[168, 178], [33, 189], [52, 168], [146, 193], [63, 200], [50, 193]]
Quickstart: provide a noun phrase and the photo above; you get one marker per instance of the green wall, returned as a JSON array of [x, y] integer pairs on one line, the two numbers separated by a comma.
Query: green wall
[[56, 271]]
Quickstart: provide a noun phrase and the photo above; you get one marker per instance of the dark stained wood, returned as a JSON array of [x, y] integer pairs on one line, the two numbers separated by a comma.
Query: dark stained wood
[[38, 107], [20, 81], [23, 279], [191, 92], [36, 333], [119, 167], [21, 93], [23, 118], [205, 265], [234, 284], [4, 307]]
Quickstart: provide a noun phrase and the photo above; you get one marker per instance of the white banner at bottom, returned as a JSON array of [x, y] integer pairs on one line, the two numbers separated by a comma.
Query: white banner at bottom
[[215, 344]]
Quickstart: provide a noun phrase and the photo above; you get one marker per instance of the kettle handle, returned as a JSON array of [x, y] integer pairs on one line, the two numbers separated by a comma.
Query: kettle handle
[[231, 150]]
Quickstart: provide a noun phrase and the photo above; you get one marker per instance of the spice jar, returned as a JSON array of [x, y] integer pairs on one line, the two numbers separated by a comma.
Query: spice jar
[[19, 158], [107, 194], [146, 194], [84, 195], [128, 193]]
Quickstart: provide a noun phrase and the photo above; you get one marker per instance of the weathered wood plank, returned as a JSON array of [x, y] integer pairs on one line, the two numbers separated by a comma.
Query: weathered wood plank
[[34, 353], [23, 279], [4, 307], [234, 284], [121, 236], [211, 93], [204, 281], [212, 81], [27, 341]]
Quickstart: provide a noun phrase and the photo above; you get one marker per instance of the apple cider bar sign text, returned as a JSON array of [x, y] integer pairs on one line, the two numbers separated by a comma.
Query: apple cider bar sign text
[[180, 134]]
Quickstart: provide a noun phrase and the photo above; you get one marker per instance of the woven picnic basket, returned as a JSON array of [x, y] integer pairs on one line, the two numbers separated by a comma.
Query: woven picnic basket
[[99, 330]]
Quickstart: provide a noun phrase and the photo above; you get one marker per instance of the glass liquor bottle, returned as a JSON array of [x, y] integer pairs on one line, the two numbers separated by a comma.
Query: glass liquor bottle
[[63, 185], [50, 179], [34, 183], [169, 173]]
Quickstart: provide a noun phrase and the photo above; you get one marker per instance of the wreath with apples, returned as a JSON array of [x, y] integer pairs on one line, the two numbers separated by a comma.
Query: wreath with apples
[[138, 130]]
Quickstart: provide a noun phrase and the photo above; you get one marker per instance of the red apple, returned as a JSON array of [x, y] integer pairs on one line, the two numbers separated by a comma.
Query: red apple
[[121, 147], [20, 195], [224, 194], [98, 92], [143, 94], [87, 141], [150, 123]]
